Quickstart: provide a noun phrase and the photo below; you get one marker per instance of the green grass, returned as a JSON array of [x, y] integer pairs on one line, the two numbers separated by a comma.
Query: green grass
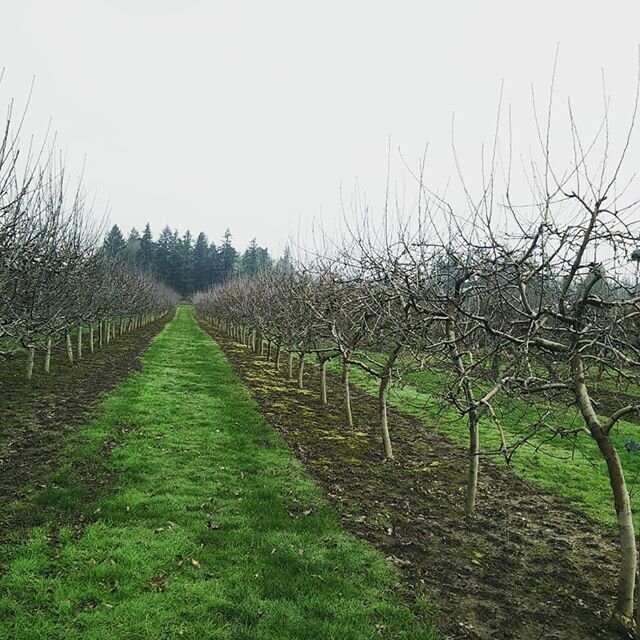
[[571, 468], [214, 530]]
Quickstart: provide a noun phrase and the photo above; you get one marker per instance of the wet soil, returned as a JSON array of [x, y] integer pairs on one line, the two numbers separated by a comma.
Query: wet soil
[[37, 418], [527, 565]]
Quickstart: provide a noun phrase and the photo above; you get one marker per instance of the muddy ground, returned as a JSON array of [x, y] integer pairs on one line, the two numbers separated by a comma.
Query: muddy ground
[[37, 417], [527, 565]]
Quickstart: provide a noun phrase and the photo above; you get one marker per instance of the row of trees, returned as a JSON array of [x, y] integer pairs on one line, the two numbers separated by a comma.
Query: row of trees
[[55, 279], [535, 302], [185, 264]]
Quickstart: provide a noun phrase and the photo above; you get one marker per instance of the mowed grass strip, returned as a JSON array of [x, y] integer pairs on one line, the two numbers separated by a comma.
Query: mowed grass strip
[[214, 531]]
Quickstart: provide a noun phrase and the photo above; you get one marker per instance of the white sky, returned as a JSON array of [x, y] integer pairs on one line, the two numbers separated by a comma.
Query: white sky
[[252, 114]]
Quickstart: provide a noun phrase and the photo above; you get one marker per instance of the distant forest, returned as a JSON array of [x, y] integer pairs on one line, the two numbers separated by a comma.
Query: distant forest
[[185, 264]]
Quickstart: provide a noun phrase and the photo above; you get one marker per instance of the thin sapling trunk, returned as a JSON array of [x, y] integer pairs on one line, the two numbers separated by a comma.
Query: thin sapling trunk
[[347, 392], [301, 370], [382, 409], [290, 366], [47, 356], [31, 355], [474, 436], [277, 357], [323, 381], [67, 340]]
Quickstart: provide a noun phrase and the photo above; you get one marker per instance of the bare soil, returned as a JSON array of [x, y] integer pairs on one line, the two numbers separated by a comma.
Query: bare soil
[[527, 565], [38, 417]]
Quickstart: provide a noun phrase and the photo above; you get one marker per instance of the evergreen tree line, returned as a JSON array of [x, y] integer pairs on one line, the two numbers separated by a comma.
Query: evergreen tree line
[[184, 264]]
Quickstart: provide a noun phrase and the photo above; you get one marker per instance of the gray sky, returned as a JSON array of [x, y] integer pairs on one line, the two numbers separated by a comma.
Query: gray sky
[[252, 114]]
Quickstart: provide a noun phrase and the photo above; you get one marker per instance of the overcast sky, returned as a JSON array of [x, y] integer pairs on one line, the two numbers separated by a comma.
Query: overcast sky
[[252, 115]]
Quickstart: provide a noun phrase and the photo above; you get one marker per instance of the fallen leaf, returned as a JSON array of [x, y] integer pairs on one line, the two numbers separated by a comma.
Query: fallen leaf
[[159, 583], [400, 562]]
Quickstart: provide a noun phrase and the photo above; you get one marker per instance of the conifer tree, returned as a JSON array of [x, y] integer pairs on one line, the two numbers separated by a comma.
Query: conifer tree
[[228, 258], [132, 247], [114, 244], [146, 255]]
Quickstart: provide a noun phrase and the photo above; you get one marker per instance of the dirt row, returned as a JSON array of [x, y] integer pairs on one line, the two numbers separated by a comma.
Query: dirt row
[[37, 418], [526, 566]]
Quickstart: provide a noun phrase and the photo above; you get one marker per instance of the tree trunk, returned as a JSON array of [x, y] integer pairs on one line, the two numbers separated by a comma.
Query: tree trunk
[[384, 425], [79, 341], [347, 392], [277, 357], [622, 617], [623, 612], [301, 370], [474, 463], [290, 372], [101, 333], [47, 356], [91, 338], [268, 350], [67, 339], [31, 356], [323, 382], [383, 393], [108, 330], [474, 436]]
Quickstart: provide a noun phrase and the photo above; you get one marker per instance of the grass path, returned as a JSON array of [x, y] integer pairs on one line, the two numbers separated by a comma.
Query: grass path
[[213, 531]]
